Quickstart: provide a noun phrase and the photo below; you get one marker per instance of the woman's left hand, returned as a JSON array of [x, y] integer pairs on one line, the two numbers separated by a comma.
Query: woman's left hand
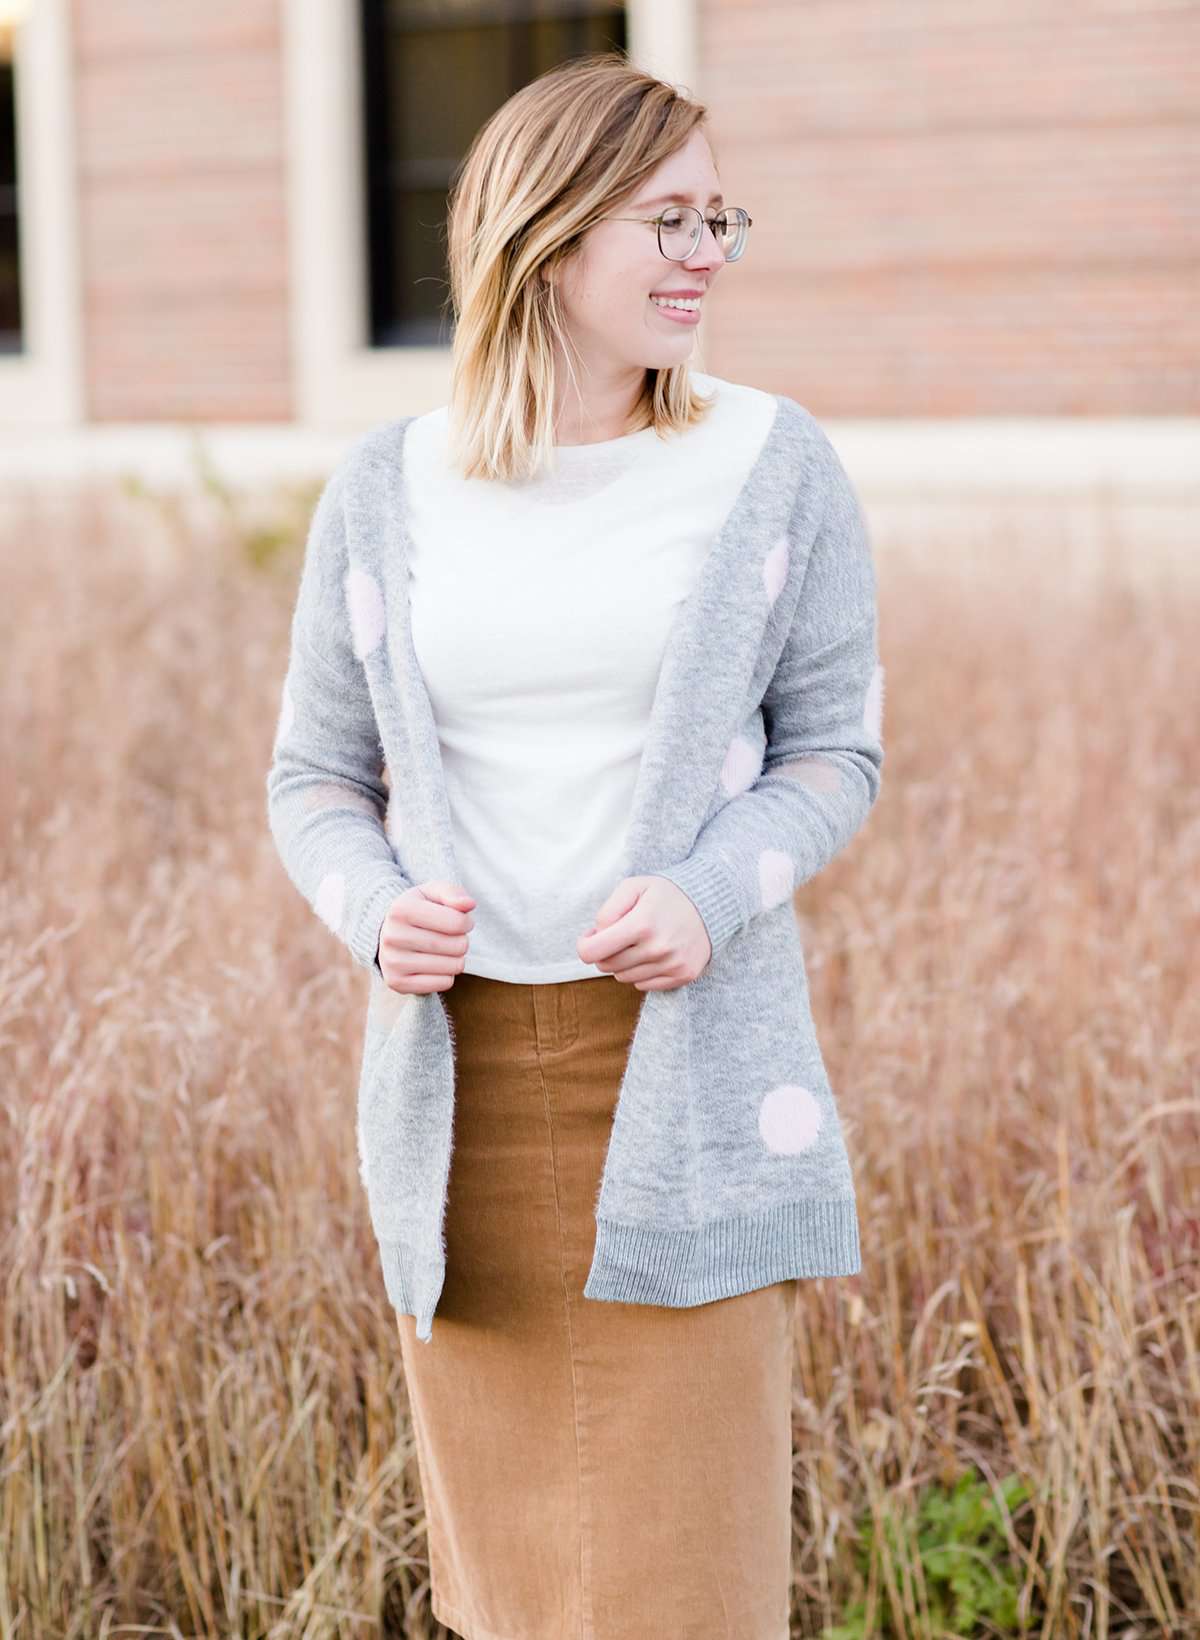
[[648, 934]]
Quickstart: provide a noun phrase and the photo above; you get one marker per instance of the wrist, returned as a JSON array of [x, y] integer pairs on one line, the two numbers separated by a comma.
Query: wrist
[[711, 887]]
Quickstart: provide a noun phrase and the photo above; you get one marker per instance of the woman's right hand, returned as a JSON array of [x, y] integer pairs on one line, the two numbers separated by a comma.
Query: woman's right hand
[[423, 941]]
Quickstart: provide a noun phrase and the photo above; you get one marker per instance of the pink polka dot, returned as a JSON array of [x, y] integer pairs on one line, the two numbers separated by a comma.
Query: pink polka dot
[[330, 900], [776, 877], [364, 603], [873, 713], [741, 766], [775, 568], [287, 715], [816, 773], [789, 1119], [329, 795]]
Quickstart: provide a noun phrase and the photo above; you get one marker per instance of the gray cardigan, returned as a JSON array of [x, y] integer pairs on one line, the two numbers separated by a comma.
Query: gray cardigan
[[726, 1168]]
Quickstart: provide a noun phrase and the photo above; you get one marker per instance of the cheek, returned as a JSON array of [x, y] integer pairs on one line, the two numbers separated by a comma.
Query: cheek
[[626, 295], [627, 271], [645, 278]]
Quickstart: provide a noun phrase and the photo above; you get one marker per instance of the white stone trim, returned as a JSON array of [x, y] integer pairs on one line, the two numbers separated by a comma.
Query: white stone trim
[[43, 385], [664, 40], [999, 455], [1155, 459]]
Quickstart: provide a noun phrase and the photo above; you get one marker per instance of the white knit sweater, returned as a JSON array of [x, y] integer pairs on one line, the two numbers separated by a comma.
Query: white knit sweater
[[540, 615]]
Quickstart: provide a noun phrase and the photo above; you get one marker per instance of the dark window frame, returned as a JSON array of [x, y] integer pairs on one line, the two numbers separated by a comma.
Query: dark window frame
[[387, 174], [12, 305]]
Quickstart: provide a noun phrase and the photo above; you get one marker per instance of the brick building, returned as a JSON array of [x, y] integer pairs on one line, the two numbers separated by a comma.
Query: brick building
[[231, 213]]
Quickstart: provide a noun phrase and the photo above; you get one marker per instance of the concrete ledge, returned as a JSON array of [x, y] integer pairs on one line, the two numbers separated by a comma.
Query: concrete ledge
[[1140, 455], [1002, 454]]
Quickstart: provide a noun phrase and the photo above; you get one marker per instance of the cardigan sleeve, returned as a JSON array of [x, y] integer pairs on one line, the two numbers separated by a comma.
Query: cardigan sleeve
[[822, 710], [326, 799]]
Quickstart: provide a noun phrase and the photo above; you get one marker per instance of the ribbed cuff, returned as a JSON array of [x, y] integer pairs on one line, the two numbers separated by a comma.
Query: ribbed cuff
[[712, 890], [363, 938]]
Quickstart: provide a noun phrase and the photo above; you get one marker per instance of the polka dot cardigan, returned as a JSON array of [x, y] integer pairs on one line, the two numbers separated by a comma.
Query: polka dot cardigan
[[726, 1167]]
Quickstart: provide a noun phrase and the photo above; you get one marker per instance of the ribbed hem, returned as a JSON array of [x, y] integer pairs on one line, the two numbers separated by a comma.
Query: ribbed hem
[[710, 887], [391, 1254], [634, 1264], [410, 1292]]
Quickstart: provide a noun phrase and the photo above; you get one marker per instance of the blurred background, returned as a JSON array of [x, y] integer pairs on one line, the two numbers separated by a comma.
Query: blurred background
[[974, 258], [233, 214]]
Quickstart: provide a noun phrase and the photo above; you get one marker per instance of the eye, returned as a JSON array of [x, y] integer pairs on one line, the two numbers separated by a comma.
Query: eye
[[672, 218]]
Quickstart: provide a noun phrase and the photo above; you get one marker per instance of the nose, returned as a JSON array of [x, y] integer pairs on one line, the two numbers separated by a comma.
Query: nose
[[708, 252]]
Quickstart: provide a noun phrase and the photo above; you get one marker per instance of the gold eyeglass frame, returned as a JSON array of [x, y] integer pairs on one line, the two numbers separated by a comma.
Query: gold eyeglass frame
[[704, 222]]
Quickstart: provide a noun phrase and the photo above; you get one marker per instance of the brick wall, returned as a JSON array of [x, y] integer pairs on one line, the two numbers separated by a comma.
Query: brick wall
[[989, 207], [961, 206], [183, 247]]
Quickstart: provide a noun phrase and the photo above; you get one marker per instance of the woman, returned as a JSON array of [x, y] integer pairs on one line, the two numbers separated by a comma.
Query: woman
[[613, 627]]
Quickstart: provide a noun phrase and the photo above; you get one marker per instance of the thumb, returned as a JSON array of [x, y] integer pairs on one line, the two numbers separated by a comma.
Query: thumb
[[445, 893], [622, 899]]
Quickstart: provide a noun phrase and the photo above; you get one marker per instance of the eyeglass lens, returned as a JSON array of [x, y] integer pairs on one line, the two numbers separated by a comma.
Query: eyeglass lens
[[680, 229]]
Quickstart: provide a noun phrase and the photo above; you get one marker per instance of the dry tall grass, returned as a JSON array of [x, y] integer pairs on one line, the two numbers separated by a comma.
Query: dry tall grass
[[204, 1416]]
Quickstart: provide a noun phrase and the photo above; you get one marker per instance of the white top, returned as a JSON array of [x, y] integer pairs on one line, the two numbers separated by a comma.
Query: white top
[[540, 614]]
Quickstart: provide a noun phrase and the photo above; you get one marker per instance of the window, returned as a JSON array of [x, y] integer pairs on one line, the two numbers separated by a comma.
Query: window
[[371, 322], [432, 72], [11, 340]]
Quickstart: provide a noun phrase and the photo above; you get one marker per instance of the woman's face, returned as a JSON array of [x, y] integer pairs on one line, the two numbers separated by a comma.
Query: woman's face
[[605, 290]]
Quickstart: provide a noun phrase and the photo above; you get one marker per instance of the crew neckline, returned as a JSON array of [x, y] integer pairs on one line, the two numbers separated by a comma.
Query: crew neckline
[[603, 443], [702, 380]]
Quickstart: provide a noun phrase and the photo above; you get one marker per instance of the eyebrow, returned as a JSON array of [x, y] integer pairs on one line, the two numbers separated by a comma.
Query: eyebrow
[[671, 199]]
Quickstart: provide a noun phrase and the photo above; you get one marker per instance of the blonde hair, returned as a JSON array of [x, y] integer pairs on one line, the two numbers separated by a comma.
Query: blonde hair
[[560, 153]]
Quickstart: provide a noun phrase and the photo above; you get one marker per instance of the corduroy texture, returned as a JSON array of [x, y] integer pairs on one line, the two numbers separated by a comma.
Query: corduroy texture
[[539, 1418], [726, 1168]]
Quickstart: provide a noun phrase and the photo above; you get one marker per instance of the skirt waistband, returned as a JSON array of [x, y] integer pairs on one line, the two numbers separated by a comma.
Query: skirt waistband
[[540, 1018]]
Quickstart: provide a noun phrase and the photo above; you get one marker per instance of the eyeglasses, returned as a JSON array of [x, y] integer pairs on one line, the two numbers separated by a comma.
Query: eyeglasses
[[680, 227]]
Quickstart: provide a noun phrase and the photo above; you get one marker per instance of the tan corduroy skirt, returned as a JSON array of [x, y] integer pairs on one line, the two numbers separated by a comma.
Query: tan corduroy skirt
[[590, 1470]]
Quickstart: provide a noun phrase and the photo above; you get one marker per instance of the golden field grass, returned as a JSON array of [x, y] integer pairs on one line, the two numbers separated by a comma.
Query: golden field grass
[[203, 1408]]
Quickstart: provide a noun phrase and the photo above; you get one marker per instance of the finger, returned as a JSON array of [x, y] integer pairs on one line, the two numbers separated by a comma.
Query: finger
[[422, 984], [444, 919], [405, 937], [440, 889], [649, 952], [644, 971], [616, 965], [426, 962], [619, 937]]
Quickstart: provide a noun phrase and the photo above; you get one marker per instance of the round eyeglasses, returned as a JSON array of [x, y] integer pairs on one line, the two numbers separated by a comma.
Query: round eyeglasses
[[680, 227]]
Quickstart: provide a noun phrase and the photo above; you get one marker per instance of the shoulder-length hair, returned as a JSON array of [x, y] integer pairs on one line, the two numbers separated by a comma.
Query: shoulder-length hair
[[560, 153]]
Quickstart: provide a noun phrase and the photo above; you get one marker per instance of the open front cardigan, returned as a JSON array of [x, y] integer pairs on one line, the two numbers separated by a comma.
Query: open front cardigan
[[726, 1168]]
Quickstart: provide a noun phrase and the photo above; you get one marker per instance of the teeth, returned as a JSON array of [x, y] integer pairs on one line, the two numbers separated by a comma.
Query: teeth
[[689, 304]]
